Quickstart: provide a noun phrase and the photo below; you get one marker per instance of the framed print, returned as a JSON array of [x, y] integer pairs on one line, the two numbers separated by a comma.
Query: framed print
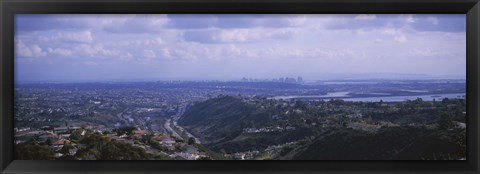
[[239, 86]]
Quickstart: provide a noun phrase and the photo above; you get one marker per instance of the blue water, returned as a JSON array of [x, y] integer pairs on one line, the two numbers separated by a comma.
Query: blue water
[[437, 97], [344, 96]]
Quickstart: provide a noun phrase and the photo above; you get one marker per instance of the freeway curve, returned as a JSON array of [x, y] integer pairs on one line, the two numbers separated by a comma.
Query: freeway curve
[[174, 120]]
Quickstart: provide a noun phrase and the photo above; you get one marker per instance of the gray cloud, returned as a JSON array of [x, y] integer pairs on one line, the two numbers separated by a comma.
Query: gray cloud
[[196, 45], [41, 22], [138, 24], [238, 35]]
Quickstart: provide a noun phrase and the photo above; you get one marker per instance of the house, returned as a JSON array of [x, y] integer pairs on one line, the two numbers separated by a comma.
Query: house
[[186, 156], [191, 150], [72, 151], [290, 128], [64, 136], [44, 137], [160, 137], [21, 129], [56, 155], [239, 156], [62, 142], [60, 129], [168, 142], [179, 158], [138, 133]]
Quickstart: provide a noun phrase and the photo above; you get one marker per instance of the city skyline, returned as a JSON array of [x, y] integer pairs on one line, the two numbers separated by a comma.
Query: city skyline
[[230, 47]]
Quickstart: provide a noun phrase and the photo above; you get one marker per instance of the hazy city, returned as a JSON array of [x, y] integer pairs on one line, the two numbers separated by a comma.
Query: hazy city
[[240, 87]]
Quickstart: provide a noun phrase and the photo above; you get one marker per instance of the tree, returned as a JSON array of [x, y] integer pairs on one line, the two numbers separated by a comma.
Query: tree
[[191, 141], [33, 151], [445, 101], [87, 154], [65, 149], [76, 135], [445, 121], [122, 151], [125, 130], [35, 138], [49, 141], [205, 158], [66, 157], [147, 139], [163, 157], [66, 125], [48, 128], [93, 140]]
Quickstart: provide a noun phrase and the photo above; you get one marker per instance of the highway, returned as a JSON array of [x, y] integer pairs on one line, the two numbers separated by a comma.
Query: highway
[[175, 119], [172, 132]]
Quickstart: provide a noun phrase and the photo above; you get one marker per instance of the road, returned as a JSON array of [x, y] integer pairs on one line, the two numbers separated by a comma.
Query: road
[[170, 130], [167, 125], [175, 119]]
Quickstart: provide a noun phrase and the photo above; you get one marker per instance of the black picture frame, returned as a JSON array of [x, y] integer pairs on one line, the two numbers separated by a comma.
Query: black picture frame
[[8, 8]]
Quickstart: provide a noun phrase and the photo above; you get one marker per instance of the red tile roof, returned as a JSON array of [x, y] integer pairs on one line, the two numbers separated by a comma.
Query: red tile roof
[[62, 142]]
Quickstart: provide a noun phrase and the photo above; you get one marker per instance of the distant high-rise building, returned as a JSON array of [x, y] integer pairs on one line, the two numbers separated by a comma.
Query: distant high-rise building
[[299, 79], [281, 79], [290, 80]]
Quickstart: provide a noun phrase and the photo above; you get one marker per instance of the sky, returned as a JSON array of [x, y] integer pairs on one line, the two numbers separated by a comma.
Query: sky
[[90, 47]]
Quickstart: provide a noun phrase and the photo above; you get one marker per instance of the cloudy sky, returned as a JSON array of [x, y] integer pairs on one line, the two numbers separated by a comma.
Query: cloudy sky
[[229, 47]]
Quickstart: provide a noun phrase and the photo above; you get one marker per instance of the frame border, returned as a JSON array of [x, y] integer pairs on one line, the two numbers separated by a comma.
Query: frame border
[[8, 9]]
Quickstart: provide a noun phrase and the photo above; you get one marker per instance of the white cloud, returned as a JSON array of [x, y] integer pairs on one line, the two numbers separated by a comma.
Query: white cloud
[[149, 54], [90, 63], [422, 52], [312, 47], [410, 19], [126, 56], [166, 53], [60, 52], [400, 39], [297, 20], [37, 51], [239, 35], [186, 51], [95, 51], [433, 20], [80, 37], [143, 42], [429, 52], [365, 17], [390, 31], [23, 50], [137, 24]]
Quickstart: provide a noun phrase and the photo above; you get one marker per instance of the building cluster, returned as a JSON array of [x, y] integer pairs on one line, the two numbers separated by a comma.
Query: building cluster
[[268, 129], [51, 113], [59, 137], [280, 80]]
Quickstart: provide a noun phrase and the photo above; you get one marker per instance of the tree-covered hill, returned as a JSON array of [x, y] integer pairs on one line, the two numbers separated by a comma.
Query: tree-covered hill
[[394, 143], [221, 117], [331, 130]]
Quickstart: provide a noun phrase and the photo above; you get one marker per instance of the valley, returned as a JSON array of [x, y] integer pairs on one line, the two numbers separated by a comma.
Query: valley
[[259, 120]]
